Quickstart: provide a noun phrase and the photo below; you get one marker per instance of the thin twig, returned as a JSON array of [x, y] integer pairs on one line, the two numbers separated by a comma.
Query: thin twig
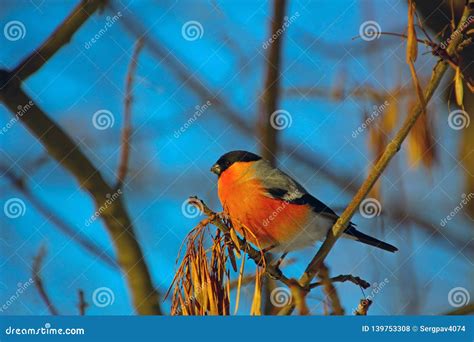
[[343, 278], [37, 261], [82, 305], [127, 118]]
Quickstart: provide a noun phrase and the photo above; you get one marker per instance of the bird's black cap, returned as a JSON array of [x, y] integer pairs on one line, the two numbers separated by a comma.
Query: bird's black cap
[[226, 160]]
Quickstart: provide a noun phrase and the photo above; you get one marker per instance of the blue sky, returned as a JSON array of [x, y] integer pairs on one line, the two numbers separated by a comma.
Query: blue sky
[[228, 61]]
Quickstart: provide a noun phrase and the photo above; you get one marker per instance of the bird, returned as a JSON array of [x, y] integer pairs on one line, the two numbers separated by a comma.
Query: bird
[[272, 210]]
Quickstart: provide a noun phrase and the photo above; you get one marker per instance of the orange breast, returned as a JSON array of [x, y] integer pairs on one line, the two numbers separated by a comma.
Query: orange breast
[[262, 220]]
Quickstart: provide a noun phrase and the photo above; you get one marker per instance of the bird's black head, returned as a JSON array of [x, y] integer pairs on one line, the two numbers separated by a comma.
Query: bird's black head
[[226, 160]]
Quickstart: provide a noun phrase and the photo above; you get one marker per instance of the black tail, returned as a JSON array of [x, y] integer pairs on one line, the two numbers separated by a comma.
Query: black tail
[[369, 240]]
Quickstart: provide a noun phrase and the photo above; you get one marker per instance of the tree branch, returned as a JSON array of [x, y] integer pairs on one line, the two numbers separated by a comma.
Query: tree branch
[[271, 92], [127, 124]]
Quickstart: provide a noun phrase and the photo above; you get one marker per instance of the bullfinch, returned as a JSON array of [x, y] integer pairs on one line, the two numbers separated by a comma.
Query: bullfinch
[[273, 211]]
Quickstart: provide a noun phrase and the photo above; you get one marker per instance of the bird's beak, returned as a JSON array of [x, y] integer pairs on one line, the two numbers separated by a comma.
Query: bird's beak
[[216, 169]]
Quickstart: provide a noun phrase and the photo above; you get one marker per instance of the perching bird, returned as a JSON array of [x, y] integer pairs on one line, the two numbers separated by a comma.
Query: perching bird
[[273, 211]]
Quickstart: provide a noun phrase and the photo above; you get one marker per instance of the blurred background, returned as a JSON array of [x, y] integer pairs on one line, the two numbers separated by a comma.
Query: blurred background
[[206, 81]]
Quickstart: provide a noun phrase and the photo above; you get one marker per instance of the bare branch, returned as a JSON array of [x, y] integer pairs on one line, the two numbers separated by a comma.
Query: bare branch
[[38, 260], [127, 120], [343, 278]]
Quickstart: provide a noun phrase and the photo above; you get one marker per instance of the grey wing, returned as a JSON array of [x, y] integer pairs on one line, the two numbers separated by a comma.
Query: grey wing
[[281, 186]]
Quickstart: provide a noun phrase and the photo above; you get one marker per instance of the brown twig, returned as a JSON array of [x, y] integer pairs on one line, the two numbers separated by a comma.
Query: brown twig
[[127, 118], [343, 278], [37, 261], [82, 305]]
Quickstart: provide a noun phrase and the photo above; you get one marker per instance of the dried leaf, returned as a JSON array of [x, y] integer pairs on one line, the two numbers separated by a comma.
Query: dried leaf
[[458, 87]]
